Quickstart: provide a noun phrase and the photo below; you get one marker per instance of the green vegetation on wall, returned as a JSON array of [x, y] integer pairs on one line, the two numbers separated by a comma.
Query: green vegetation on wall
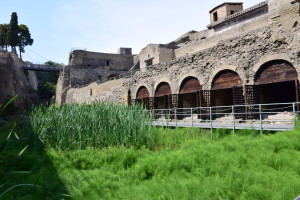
[[47, 83]]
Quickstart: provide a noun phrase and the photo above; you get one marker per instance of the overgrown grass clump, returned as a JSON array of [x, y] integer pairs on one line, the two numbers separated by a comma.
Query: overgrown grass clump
[[94, 125], [145, 162], [244, 167]]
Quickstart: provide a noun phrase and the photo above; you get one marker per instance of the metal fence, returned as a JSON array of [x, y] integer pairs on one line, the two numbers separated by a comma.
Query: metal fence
[[271, 117]]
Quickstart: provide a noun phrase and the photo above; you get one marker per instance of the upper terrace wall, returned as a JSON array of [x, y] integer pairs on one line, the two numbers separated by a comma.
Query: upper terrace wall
[[109, 61], [87, 67], [212, 36]]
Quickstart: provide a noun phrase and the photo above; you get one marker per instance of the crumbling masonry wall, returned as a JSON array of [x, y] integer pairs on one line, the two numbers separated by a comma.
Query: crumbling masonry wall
[[245, 53]]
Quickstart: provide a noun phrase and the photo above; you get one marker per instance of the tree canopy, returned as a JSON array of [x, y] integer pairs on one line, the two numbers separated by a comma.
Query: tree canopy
[[24, 38], [13, 31], [47, 82], [15, 35], [3, 35]]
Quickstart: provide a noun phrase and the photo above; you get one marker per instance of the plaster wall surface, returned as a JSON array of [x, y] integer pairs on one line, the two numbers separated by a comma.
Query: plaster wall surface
[[222, 13], [166, 54], [151, 51], [235, 8]]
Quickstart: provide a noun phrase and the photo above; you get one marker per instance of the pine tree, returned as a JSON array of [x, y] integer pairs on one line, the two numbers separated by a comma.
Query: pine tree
[[24, 38], [13, 39], [3, 35]]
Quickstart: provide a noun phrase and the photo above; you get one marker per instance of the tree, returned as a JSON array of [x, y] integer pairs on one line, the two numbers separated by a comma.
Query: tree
[[24, 38], [47, 82], [3, 35], [12, 36]]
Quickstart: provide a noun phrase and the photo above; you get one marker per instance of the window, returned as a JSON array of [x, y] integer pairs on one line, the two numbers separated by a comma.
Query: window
[[107, 62], [232, 12], [215, 16], [149, 63]]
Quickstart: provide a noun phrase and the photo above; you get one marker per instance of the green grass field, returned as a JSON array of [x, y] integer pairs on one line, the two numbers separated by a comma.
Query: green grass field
[[163, 164]]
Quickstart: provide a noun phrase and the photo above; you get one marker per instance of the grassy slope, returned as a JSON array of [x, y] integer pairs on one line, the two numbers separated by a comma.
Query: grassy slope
[[233, 167]]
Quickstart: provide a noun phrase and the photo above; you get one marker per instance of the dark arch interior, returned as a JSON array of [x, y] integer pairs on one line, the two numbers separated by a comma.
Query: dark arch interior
[[227, 88], [188, 92], [162, 96], [142, 96], [142, 93], [113, 75], [277, 82]]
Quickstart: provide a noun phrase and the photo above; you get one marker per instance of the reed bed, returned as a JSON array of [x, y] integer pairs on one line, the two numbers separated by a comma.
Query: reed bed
[[90, 125]]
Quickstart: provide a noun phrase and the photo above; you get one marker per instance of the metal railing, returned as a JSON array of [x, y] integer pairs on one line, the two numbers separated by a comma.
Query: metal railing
[[42, 67], [271, 117], [128, 74]]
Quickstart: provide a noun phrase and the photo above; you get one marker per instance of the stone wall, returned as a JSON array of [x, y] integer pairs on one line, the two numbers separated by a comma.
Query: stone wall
[[81, 76], [213, 37], [32, 79], [122, 62], [108, 91], [244, 55], [275, 36], [13, 81], [87, 67], [151, 51], [223, 11], [157, 53]]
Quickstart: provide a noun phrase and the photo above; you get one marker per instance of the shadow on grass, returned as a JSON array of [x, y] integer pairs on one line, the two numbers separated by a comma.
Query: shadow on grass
[[33, 174]]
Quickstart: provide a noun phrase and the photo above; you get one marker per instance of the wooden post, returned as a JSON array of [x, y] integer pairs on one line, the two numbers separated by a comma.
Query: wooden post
[[297, 92], [251, 97], [260, 119], [151, 103]]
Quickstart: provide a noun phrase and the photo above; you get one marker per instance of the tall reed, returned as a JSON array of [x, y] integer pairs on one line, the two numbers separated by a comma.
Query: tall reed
[[94, 125]]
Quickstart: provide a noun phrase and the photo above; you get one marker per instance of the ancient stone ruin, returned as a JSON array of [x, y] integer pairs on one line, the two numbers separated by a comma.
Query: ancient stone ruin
[[245, 56]]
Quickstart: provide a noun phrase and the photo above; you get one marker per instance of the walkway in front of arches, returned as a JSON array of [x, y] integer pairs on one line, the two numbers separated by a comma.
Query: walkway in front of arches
[[269, 117], [237, 126]]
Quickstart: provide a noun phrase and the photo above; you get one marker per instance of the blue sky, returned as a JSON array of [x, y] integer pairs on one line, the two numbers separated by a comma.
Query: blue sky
[[57, 26]]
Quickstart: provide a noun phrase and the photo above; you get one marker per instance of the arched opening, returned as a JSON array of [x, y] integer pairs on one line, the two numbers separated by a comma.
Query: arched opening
[[188, 92], [70, 58], [162, 93], [227, 88], [112, 76], [277, 82], [142, 96]]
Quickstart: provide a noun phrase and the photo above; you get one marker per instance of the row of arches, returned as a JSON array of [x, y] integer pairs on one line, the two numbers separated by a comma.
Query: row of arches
[[275, 82]]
